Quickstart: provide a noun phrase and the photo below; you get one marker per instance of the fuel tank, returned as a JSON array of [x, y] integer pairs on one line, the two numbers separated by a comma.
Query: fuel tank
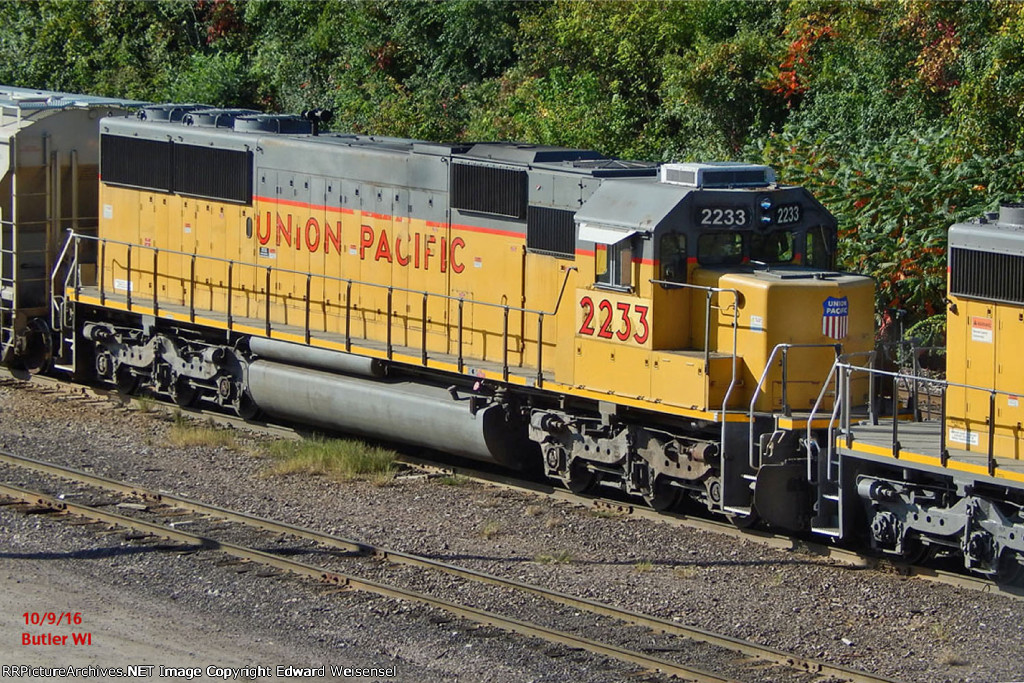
[[393, 410]]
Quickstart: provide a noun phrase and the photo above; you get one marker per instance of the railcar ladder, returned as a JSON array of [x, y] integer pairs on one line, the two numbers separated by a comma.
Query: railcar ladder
[[7, 288], [13, 256], [828, 517], [8, 270], [6, 316], [63, 327]]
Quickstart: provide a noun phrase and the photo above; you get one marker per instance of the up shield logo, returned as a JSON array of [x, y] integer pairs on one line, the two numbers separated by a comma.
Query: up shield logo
[[835, 317]]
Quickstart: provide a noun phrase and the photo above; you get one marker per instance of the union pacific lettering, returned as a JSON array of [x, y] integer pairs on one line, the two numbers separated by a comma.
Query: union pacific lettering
[[420, 250], [309, 235]]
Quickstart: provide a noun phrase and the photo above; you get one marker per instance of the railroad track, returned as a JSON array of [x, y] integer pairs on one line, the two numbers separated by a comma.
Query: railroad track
[[510, 481], [768, 539], [150, 513]]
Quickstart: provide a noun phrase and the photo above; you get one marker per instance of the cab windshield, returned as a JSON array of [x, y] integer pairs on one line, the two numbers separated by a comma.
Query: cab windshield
[[820, 248], [773, 248], [720, 249]]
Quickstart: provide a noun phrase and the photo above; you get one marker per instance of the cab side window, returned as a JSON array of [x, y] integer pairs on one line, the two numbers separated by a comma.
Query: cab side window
[[720, 249], [614, 264], [672, 257]]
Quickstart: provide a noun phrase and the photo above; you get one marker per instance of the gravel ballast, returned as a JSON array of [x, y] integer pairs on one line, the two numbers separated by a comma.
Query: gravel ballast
[[907, 629]]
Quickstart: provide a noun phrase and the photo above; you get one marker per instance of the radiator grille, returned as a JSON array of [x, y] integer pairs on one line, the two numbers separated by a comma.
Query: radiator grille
[[986, 275], [215, 173], [221, 174], [551, 231], [498, 191], [134, 162]]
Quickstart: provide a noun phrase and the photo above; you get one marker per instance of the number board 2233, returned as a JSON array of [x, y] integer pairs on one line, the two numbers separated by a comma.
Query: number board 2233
[[723, 216], [612, 317]]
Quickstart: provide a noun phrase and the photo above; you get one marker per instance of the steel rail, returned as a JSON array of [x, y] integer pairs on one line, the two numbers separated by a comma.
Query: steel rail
[[771, 540], [398, 557], [356, 583], [832, 553]]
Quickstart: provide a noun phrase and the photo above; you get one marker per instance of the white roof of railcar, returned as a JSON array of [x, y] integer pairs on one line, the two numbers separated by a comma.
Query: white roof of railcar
[[31, 98]]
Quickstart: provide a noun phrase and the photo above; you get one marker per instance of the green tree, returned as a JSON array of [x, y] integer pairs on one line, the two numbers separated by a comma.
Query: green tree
[[623, 77], [397, 68]]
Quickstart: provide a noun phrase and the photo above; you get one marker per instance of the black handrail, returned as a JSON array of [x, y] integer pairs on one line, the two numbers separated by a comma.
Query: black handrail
[[156, 273], [268, 322], [944, 456], [192, 292], [128, 286]]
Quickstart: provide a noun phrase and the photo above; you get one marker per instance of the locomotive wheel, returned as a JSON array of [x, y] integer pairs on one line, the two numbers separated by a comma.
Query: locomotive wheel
[[183, 393], [745, 521], [579, 478], [1009, 571], [663, 497], [127, 381], [245, 407], [33, 347]]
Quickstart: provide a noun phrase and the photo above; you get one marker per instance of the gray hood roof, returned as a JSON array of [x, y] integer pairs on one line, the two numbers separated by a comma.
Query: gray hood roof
[[639, 205]]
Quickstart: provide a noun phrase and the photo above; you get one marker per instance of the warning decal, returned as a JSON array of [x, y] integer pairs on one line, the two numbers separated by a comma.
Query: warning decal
[[981, 330]]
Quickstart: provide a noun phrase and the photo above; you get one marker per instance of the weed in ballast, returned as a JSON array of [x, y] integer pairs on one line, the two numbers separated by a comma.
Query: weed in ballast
[[185, 435], [145, 404], [490, 529], [685, 572], [341, 459], [454, 480], [557, 557]]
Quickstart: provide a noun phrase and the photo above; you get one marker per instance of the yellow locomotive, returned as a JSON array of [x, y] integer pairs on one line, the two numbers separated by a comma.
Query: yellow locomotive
[[953, 483], [674, 331], [627, 313]]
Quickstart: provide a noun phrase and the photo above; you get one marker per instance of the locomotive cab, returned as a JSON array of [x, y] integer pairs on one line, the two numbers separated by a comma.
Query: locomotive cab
[[728, 269], [712, 295]]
